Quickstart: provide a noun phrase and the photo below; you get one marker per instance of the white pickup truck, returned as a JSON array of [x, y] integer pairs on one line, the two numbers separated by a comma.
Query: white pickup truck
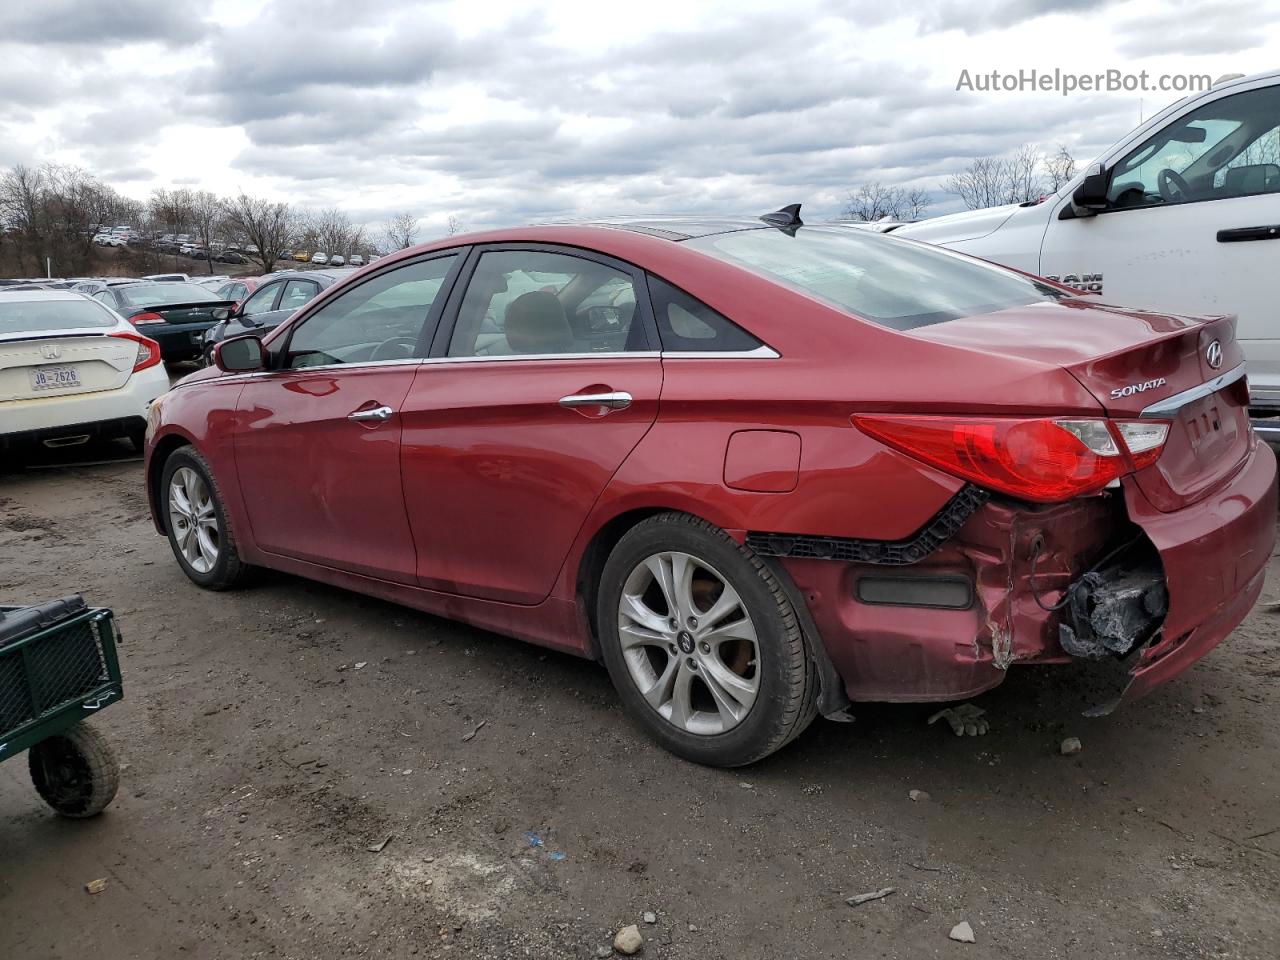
[[1174, 217]]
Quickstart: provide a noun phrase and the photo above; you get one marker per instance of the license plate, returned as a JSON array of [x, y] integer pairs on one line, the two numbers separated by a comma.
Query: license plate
[[54, 378]]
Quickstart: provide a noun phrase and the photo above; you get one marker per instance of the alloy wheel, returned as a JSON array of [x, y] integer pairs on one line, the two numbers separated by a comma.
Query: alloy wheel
[[689, 643], [193, 519]]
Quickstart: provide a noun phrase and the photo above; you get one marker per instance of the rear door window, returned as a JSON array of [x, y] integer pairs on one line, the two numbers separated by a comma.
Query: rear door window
[[262, 301], [522, 303], [296, 293]]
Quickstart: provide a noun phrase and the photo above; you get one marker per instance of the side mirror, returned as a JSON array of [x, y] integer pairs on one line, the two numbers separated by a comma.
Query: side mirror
[[1091, 195], [241, 354], [221, 313]]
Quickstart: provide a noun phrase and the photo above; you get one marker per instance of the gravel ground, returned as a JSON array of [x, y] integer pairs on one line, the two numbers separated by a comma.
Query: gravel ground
[[273, 735]]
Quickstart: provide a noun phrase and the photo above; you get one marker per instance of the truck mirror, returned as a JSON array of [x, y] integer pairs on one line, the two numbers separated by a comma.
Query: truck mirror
[[1091, 195]]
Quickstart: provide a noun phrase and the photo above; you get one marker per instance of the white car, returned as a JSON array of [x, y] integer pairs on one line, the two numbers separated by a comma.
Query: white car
[[72, 369], [167, 276], [319, 258], [1174, 217], [337, 260], [356, 260]]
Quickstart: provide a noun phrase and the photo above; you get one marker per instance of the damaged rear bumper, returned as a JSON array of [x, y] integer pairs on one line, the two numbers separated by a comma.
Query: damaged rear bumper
[[944, 641], [1215, 555]]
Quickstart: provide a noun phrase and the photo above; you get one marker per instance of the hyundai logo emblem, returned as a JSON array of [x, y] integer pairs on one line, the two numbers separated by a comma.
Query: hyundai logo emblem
[[50, 351], [1213, 353]]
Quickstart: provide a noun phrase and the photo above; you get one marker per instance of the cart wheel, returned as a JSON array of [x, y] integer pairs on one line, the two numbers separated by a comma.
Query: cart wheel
[[75, 772]]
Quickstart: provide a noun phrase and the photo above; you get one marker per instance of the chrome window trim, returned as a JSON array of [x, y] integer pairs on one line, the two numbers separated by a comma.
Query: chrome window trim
[[762, 352], [759, 353], [1176, 402], [327, 366], [613, 355]]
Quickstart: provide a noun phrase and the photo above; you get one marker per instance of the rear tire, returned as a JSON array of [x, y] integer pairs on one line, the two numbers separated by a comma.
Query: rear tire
[[75, 772], [703, 644], [196, 522]]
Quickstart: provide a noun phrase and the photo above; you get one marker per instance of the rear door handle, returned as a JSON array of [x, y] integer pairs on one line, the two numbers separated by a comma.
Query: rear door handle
[[1241, 234], [377, 413], [614, 401]]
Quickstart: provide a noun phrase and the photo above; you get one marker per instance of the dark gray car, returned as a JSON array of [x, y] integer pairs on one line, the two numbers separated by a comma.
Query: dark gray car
[[271, 304]]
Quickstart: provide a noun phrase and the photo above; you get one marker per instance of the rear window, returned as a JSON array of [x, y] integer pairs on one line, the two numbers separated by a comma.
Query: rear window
[[40, 316], [155, 294], [892, 282]]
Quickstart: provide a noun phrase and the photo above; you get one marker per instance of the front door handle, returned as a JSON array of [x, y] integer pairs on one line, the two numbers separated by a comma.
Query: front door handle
[[1241, 234], [617, 400], [377, 413]]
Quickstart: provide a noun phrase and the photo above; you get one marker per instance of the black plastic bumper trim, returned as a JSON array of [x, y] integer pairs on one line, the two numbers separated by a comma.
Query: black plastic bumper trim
[[942, 527]]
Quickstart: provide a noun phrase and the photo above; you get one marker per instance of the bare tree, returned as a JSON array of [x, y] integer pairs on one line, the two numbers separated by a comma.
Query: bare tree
[[1022, 167], [172, 208], [991, 181], [454, 226], [874, 201], [53, 212], [401, 230], [269, 226], [332, 231], [208, 215], [1059, 168]]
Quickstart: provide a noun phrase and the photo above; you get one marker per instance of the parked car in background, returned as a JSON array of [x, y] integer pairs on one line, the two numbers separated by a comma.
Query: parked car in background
[[167, 276], [72, 370], [272, 302], [231, 256], [1193, 193], [762, 469], [337, 260], [301, 256], [238, 290], [174, 314], [319, 257], [356, 260]]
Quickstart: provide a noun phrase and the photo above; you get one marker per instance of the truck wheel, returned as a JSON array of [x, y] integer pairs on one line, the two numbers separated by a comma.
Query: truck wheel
[[75, 772], [703, 644]]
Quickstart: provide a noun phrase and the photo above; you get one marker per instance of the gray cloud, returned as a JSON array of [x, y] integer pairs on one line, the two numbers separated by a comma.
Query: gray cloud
[[971, 18], [1188, 29], [508, 121], [84, 23]]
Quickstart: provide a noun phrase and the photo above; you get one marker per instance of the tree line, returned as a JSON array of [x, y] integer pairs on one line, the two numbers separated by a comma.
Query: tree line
[[51, 212], [1026, 174]]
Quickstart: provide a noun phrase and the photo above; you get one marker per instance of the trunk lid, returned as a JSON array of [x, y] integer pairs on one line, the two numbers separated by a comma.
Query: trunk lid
[[64, 364], [1131, 360]]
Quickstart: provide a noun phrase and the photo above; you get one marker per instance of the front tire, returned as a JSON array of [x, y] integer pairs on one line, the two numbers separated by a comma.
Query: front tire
[[196, 522], [703, 644]]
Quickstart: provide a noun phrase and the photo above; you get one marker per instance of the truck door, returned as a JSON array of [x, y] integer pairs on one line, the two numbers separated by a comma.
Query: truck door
[[1190, 211]]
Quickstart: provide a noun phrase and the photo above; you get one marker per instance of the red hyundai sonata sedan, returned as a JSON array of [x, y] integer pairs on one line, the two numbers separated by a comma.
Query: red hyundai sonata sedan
[[761, 469]]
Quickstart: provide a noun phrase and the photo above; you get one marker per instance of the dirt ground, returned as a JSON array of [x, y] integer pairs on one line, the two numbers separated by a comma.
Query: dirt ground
[[272, 735]]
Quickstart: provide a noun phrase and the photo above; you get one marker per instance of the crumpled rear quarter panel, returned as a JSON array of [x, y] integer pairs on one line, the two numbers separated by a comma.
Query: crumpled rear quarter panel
[[911, 654]]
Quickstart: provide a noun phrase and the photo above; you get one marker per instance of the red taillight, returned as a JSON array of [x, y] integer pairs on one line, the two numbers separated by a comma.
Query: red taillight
[[1034, 459], [138, 319], [148, 350]]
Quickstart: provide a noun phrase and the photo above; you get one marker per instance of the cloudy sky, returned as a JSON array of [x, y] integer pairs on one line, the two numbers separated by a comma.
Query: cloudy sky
[[503, 112]]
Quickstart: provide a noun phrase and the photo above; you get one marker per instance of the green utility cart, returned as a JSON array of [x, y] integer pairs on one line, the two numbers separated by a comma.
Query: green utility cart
[[58, 666]]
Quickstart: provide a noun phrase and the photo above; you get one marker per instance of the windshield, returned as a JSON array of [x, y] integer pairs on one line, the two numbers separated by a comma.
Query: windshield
[[154, 294], [892, 282], [39, 316]]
